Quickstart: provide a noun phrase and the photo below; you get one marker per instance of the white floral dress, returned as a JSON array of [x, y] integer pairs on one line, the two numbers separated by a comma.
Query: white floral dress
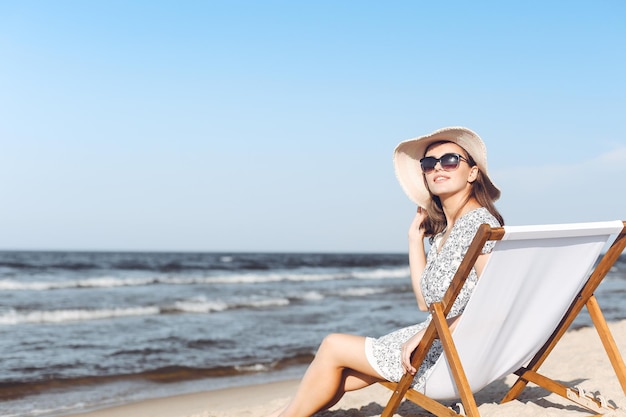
[[384, 353]]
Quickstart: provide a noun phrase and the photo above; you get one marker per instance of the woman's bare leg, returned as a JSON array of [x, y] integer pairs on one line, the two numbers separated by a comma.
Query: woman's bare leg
[[340, 365], [352, 381]]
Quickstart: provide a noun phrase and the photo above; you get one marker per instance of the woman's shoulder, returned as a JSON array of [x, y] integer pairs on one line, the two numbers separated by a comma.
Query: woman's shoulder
[[480, 216], [469, 223]]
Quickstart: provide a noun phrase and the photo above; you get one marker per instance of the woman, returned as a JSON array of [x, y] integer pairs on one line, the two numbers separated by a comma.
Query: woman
[[445, 174]]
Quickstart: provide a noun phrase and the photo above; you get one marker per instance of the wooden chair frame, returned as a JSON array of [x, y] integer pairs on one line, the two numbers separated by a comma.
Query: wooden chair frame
[[438, 329]]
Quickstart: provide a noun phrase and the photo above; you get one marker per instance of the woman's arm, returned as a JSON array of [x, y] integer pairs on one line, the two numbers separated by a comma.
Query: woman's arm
[[480, 263], [417, 256], [410, 345]]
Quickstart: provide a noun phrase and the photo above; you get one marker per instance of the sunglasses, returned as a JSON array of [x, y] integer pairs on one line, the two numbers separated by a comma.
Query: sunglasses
[[448, 162]]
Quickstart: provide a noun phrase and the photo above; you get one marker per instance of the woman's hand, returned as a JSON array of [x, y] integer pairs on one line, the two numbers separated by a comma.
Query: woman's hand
[[416, 231], [410, 345], [407, 350]]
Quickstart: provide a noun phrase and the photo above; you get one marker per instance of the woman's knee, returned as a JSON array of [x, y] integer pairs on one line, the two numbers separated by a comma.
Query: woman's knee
[[332, 343], [337, 344], [346, 351]]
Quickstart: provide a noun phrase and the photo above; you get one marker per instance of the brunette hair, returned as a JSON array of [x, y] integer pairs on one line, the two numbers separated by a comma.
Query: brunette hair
[[435, 222]]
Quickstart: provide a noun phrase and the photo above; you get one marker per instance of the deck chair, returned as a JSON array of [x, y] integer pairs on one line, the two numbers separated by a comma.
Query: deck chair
[[536, 281]]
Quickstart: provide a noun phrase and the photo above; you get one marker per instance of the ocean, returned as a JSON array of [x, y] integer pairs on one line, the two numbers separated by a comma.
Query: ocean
[[83, 330]]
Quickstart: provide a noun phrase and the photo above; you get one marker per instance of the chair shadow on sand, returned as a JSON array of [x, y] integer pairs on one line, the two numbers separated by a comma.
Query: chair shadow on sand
[[491, 394]]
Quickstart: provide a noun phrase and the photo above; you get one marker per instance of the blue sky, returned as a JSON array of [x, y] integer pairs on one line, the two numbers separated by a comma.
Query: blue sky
[[270, 126]]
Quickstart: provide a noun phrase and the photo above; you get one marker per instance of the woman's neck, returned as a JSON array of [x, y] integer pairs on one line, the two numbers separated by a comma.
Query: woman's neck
[[455, 208]]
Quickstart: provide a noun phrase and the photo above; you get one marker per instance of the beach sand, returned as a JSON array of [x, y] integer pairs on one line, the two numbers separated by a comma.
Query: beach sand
[[578, 360]]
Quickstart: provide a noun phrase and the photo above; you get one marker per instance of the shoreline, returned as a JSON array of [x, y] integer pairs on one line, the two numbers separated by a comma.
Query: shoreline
[[579, 359], [221, 400]]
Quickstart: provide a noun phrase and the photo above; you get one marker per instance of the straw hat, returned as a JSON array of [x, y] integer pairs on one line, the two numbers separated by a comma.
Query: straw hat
[[407, 155]]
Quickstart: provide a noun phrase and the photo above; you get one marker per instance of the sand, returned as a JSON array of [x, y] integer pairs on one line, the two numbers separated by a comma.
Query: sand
[[578, 360]]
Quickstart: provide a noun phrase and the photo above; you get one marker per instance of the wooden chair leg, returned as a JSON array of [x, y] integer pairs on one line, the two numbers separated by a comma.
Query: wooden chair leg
[[592, 404], [530, 374], [399, 390], [452, 355], [427, 403], [607, 340], [404, 384]]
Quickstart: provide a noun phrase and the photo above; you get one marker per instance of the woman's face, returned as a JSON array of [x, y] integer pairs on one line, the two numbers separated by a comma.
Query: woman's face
[[443, 183]]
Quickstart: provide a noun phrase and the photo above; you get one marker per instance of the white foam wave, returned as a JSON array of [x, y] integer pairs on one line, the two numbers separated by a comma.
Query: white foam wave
[[58, 316], [99, 282], [243, 278], [272, 302], [311, 295], [200, 305], [360, 292], [273, 277], [252, 368], [111, 282], [196, 305], [383, 273]]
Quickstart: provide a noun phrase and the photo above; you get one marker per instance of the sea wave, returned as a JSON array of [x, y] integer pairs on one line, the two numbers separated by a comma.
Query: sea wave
[[13, 317], [163, 262], [361, 291], [98, 282], [201, 304], [195, 305], [231, 279], [382, 273], [198, 305]]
